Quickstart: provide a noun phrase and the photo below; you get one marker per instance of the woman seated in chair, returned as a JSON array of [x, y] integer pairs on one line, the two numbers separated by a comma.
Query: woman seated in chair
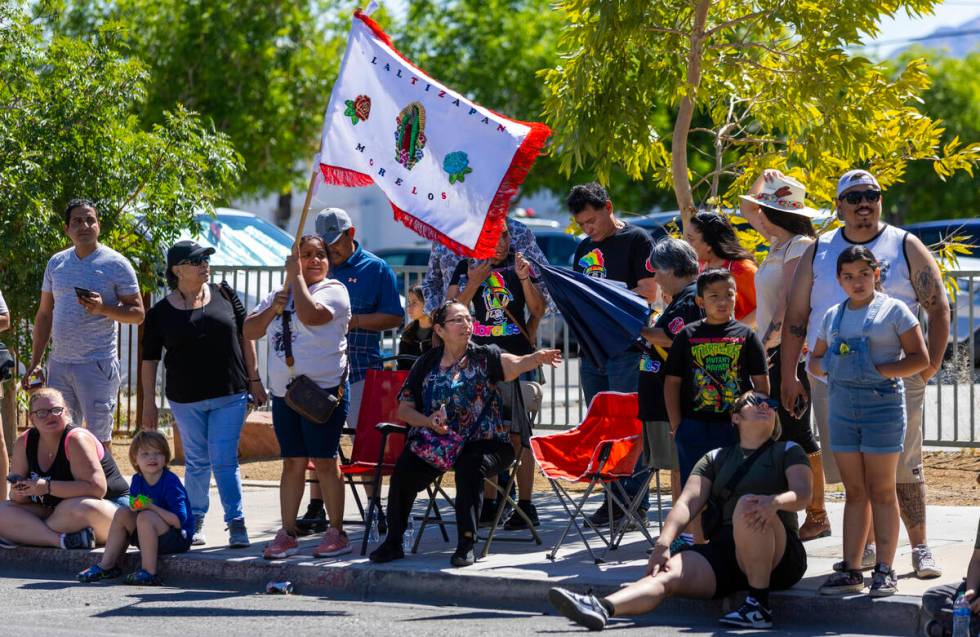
[[755, 544], [450, 401]]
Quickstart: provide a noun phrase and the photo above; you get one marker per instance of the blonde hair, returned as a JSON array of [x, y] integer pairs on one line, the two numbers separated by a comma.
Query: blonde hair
[[48, 392], [148, 440]]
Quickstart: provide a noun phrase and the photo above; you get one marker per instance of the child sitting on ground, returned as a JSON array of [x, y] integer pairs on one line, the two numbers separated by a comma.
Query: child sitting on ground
[[158, 520]]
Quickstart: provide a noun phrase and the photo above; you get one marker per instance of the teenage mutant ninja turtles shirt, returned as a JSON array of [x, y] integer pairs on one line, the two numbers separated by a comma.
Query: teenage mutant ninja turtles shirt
[[715, 363], [621, 257], [491, 324]]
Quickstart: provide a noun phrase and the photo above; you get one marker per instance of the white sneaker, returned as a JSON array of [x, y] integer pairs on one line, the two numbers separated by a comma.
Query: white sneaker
[[924, 564]]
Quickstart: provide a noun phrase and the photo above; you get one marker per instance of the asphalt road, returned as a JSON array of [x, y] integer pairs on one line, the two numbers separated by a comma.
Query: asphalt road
[[49, 608]]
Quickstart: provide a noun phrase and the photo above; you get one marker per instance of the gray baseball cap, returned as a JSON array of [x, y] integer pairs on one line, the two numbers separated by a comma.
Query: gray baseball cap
[[331, 223]]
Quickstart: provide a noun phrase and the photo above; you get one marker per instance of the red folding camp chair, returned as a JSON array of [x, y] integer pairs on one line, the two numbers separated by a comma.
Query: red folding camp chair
[[600, 451], [378, 440]]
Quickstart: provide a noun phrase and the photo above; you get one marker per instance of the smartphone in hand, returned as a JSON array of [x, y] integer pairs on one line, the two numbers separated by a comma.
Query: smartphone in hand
[[82, 293]]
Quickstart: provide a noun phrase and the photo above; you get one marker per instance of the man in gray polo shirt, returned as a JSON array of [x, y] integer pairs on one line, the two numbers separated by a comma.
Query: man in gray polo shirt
[[87, 289]]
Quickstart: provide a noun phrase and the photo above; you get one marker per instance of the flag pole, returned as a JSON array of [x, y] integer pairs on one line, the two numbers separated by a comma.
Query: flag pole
[[305, 214]]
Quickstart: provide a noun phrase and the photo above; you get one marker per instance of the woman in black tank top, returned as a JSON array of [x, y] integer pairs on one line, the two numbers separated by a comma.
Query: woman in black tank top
[[67, 494]]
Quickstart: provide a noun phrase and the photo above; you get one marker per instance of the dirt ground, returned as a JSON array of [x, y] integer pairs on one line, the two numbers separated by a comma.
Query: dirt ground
[[951, 477]]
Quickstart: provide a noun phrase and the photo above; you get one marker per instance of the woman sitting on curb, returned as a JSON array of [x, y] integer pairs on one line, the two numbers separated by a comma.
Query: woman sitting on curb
[[754, 546], [67, 487]]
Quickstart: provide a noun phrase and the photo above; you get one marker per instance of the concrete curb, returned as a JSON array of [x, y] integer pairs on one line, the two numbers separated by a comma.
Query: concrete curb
[[898, 615]]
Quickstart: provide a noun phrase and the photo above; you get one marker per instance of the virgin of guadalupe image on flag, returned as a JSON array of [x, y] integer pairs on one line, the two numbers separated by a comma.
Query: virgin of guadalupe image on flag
[[448, 166]]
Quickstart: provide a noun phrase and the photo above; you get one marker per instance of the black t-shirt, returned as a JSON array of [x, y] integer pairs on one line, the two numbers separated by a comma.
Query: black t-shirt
[[624, 256], [491, 324], [715, 363], [682, 311], [203, 347]]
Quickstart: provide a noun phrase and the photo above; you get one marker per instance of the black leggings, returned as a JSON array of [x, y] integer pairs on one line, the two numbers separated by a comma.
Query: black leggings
[[796, 430], [478, 460]]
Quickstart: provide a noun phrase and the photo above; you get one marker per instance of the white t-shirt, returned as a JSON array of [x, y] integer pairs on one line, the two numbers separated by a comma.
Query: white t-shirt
[[319, 351], [3, 305], [769, 280]]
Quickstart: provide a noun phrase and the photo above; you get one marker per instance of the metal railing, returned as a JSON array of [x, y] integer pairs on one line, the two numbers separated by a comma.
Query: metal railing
[[950, 408]]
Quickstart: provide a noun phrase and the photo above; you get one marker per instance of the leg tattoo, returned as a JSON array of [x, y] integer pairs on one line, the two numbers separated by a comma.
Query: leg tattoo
[[912, 503]]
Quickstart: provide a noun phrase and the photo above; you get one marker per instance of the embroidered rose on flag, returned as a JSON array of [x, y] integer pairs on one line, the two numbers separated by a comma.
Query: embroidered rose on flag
[[448, 166], [457, 164], [358, 109]]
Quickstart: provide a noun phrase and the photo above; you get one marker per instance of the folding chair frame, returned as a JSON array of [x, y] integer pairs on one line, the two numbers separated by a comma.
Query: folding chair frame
[[610, 486]]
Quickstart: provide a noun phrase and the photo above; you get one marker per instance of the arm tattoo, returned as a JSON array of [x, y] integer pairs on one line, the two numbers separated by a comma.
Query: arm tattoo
[[927, 289], [798, 330]]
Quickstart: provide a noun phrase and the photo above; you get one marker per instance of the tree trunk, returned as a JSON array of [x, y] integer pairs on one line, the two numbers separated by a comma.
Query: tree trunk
[[682, 125], [284, 209]]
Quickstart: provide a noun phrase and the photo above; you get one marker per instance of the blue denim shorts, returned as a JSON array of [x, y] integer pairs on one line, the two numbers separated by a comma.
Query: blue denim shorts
[[172, 541], [867, 419], [301, 438]]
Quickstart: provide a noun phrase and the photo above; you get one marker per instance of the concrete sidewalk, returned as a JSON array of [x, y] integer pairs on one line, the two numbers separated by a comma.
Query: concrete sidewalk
[[518, 574]]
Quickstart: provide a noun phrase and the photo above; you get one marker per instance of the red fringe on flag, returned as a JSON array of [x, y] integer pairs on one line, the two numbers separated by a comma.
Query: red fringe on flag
[[520, 165], [337, 176]]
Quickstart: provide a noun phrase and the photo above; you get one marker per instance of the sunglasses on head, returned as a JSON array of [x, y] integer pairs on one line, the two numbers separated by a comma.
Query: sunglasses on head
[[855, 197], [754, 400], [196, 261]]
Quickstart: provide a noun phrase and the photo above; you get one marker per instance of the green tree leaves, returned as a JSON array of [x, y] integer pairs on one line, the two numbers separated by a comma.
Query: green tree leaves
[[770, 80], [68, 128]]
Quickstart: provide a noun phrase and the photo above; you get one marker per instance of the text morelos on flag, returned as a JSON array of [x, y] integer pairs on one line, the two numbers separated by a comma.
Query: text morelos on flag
[[448, 166]]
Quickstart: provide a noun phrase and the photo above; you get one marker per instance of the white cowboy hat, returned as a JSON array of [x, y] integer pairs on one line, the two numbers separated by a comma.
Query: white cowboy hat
[[784, 194]]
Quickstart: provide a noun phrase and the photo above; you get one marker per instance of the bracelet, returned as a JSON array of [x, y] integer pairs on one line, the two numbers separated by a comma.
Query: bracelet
[[255, 380], [48, 482], [524, 279]]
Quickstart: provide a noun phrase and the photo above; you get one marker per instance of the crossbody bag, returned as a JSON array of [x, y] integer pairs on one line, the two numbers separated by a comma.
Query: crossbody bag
[[304, 396]]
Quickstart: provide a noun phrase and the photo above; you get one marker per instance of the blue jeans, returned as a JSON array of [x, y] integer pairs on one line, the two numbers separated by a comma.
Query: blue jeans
[[209, 431], [621, 373]]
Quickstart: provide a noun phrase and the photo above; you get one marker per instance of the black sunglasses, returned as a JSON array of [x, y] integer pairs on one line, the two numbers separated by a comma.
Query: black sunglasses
[[759, 400], [855, 197], [196, 260]]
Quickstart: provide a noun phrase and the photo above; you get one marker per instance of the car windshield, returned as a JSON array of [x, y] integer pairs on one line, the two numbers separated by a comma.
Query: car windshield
[[243, 240]]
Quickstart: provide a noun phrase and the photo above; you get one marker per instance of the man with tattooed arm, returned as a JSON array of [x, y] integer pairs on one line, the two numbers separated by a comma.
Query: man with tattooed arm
[[908, 273]]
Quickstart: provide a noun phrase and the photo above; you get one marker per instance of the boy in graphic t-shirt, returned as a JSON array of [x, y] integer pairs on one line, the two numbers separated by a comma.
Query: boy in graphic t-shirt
[[711, 363]]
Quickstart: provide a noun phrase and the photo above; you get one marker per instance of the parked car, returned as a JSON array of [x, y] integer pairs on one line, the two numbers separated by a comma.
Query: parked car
[[933, 232], [558, 246], [406, 256]]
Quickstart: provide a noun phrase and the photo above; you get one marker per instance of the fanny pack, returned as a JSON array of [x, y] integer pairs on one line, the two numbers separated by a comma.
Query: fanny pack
[[304, 396]]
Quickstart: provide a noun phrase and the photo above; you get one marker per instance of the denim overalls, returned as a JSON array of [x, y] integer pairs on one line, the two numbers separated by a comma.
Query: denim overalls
[[867, 410]]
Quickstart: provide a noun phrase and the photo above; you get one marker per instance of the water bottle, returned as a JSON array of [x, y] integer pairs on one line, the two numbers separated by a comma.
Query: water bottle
[[408, 538], [373, 536], [961, 617]]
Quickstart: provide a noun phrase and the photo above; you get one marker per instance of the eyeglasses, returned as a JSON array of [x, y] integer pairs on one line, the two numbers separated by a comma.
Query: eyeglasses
[[195, 261], [754, 400], [854, 197], [44, 413], [465, 318]]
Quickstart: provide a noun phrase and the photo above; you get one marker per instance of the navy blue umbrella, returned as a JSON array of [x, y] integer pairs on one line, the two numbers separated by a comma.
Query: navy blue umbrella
[[605, 317]]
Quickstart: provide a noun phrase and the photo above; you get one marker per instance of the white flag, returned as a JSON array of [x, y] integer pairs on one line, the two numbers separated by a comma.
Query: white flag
[[448, 166]]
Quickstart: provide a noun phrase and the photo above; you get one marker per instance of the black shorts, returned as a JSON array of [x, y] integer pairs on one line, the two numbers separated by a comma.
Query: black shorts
[[729, 578], [794, 429], [172, 541]]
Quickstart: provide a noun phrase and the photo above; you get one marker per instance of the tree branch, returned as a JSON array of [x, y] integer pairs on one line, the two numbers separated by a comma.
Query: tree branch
[[735, 21], [677, 32]]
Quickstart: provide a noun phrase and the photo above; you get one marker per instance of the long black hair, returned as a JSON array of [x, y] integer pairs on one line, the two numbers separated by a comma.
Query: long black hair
[[719, 234], [797, 224]]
